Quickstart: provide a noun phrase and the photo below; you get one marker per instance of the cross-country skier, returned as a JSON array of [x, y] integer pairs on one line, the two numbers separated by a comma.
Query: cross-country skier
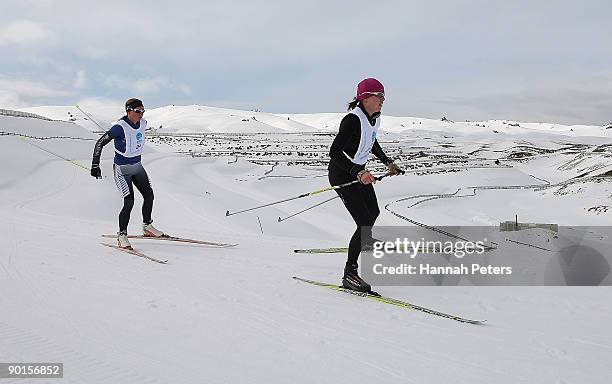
[[349, 152], [129, 136]]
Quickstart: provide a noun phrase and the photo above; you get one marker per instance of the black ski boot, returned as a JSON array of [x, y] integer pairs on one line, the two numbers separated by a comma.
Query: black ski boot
[[352, 280]]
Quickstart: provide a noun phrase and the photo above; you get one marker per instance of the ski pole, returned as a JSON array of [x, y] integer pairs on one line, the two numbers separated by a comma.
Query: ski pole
[[309, 208], [90, 118], [333, 187], [55, 154]]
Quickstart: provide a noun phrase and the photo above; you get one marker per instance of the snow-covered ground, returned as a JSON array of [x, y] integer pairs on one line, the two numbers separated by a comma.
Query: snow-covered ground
[[235, 315]]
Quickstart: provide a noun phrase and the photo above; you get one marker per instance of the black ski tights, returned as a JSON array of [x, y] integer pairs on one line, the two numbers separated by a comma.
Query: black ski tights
[[361, 202], [126, 176]]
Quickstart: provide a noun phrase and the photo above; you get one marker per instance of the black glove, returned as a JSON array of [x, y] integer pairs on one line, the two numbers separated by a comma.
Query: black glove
[[95, 171], [394, 169]]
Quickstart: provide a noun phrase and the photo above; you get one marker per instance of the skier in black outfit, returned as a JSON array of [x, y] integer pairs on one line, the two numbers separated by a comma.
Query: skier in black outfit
[[349, 152]]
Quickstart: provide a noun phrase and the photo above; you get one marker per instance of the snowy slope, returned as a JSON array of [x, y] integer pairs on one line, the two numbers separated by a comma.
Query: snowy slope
[[235, 315], [204, 119], [194, 118], [178, 119], [94, 120]]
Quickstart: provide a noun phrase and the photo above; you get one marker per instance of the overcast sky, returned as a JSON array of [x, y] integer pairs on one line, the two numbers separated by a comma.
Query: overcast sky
[[533, 60]]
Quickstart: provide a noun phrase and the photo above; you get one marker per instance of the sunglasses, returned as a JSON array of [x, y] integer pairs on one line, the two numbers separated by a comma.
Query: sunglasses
[[380, 95], [137, 110]]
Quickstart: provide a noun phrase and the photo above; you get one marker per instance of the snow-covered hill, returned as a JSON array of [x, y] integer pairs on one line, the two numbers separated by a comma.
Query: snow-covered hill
[[204, 119], [236, 315]]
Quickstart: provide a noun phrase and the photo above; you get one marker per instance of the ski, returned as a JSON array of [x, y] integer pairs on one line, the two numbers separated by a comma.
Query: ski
[[322, 250], [339, 250], [136, 253], [387, 300], [178, 240]]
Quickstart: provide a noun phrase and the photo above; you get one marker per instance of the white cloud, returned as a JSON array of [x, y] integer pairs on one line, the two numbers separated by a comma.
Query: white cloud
[[81, 80], [150, 85], [9, 99], [28, 90], [95, 53], [23, 32], [554, 105], [153, 85], [146, 85], [471, 58], [559, 96]]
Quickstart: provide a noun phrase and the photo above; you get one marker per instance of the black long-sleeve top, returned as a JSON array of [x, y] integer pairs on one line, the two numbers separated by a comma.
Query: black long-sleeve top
[[347, 141]]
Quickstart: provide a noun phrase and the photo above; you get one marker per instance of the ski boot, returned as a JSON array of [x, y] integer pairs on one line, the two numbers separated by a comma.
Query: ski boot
[[123, 241], [352, 280], [149, 230]]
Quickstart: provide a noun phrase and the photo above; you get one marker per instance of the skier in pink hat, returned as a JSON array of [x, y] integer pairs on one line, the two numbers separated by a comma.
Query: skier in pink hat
[[349, 153]]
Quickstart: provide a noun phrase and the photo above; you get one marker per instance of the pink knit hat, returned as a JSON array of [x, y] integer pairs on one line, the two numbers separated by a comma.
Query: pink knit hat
[[368, 87]]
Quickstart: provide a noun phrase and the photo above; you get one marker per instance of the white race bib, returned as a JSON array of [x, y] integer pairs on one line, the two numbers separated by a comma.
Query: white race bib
[[368, 137], [134, 138]]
